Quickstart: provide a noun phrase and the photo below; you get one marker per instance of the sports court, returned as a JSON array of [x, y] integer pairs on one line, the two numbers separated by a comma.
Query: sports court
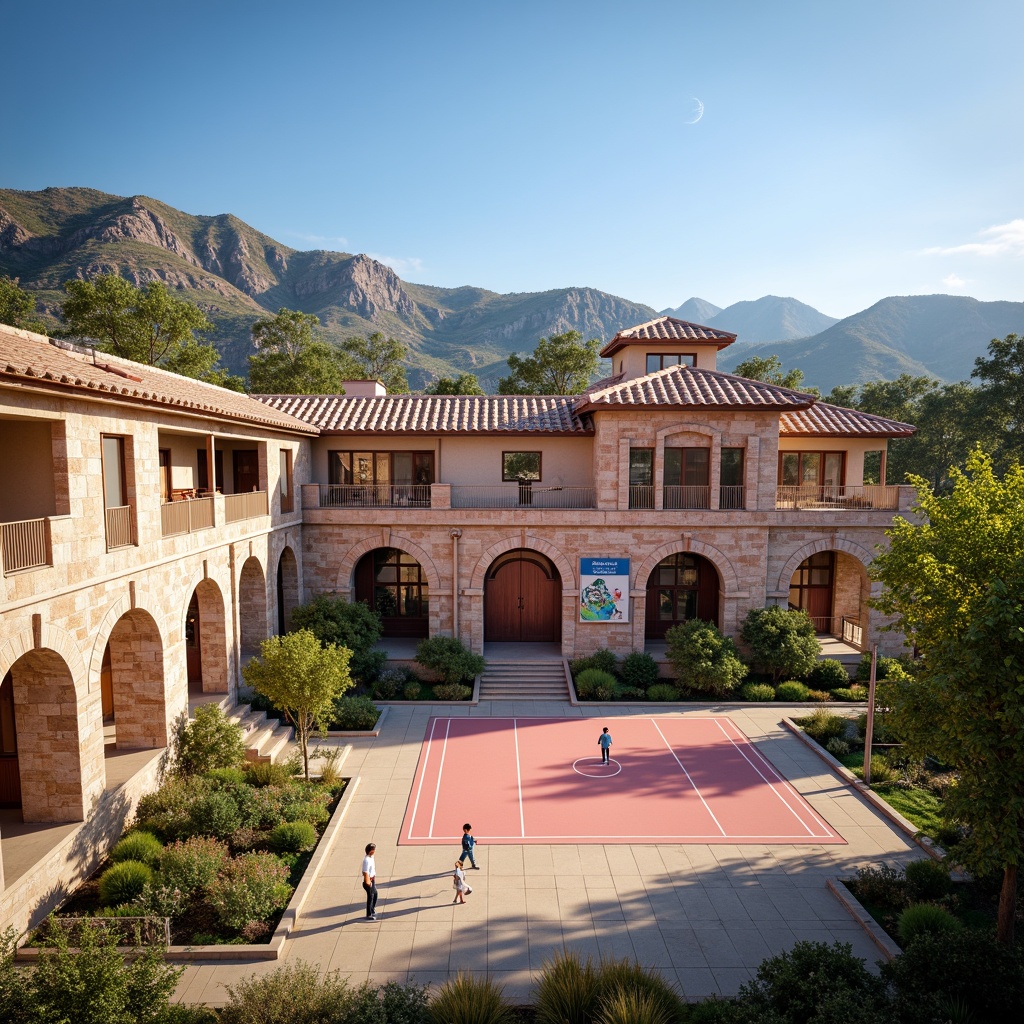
[[540, 780]]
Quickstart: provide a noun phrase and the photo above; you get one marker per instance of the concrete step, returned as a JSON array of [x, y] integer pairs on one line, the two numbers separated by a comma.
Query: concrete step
[[265, 738], [524, 681]]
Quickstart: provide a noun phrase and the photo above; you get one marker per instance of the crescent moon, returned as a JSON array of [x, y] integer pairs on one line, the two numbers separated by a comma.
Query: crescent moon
[[699, 112]]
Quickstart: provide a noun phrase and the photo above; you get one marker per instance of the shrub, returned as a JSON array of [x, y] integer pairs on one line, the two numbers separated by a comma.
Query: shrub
[[141, 846], [630, 1006], [828, 674], [188, 1013], [705, 660], [226, 778], [266, 773], [880, 732], [330, 768], [883, 886], [821, 696], [823, 725], [883, 668], [355, 713], [292, 837], [639, 669], [590, 679], [857, 693], [123, 883], [567, 990], [412, 690], [215, 814], [350, 624], [249, 888], [292, 994], [631, 693], [605, 691], [190, 866], [165, 812], [662, 692], [782, 641], [209, 741], [449, 659], [452, 691], [757, 692], [602, 659], [792, 690], [389, 684], [881, 770], [837, 747], [396, 1004], [469, 1000], [925, 919], [655, 1000], [927, 879]]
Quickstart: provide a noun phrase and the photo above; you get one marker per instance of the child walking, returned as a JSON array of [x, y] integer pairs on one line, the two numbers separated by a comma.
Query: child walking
[[462, 889], [604, 741], [468, 842]]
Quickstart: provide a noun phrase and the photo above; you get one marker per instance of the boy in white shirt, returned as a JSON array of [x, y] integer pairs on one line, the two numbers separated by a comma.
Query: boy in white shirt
[[369, 870]]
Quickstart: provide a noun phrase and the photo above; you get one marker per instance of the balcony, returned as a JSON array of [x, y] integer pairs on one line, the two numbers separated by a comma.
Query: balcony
[[521, 495], [828, 496], [375, 496], [186, 516], [248, 505], [25, 545], [686, 496], [120, 522]]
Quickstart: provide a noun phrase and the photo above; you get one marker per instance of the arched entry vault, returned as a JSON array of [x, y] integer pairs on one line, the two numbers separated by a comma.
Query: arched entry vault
[[522, 599], [252, 606], [136, 658], [287, 588], [206, 643], [680, 587], [395, 585]]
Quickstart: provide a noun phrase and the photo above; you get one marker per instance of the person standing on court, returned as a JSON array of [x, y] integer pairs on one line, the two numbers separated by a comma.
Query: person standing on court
[[468, 842], [370, 882], [604, 741]]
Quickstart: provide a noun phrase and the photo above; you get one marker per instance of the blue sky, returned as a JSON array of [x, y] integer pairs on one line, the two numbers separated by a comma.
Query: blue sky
[[846, 151]]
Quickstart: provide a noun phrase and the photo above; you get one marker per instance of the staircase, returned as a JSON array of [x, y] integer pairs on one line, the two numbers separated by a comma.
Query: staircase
[[265, 738], [524, 680]]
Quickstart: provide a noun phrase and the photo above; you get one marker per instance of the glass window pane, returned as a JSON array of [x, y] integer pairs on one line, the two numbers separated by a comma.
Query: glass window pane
[[113, 486], [810, 465], [653, 364], [423, 468], [688, 604], [790, 469], [697, 463], [641, 467], [833, 469], [520, 466], [402, 468], [665, 605], [673, 467], [732, 467], [362, 467]]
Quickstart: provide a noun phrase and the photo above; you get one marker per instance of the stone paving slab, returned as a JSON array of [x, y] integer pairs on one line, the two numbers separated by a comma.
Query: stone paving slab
[[704, 916]]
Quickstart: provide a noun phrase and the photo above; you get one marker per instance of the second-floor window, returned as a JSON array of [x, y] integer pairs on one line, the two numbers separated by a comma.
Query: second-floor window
[[114, 491], [811, 469], [661, 360], [287, 500], [687, 478], [731, 494], [381, 468], [641, 478], [520, 466]]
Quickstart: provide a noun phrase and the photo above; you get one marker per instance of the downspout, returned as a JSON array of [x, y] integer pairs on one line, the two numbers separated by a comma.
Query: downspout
[[455, 534]]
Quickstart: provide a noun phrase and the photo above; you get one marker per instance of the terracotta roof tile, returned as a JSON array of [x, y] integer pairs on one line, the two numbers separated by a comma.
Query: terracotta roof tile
[[434, 414], [35, 359], [688, 385], [824, 420], [667, 328]]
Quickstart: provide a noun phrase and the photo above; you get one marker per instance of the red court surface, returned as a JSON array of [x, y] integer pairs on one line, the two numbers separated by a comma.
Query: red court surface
[[540, 780]]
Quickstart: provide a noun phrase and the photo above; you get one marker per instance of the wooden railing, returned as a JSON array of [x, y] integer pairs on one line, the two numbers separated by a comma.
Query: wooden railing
[[120, 527], [375, 495], [177, 517], [853, 632], [521, 495], [861, 496], [245, 506], [25, 545]]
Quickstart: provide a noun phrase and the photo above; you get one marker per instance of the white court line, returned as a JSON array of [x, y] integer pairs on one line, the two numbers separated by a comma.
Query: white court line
[[784, 782], [687, 774], [440, 771], [423, 775], [519, 782], [587, 839]]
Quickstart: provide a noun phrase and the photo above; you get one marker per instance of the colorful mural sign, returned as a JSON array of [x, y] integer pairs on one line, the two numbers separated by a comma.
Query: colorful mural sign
[[604, 590]]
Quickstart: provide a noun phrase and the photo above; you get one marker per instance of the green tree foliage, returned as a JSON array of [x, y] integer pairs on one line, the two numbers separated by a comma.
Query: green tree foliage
[[463, 384], [303, 679], [1002, 397], [955, 584], [292, 359], [378, 358], [351, 624], [560, 365], [704, 659], [768, 370], [147, 325], [17, 306], [209, 741], [782, 641]]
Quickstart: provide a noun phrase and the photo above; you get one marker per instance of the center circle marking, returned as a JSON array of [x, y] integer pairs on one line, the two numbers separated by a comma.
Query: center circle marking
[[596, 769]]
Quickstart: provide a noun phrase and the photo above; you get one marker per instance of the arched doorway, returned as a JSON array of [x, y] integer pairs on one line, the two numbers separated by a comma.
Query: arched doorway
[[833, 588], [522, 599], [135, 654], [681, 587], [206, 652], [394, 584], [811, 589], [287, 589], [252, 606]]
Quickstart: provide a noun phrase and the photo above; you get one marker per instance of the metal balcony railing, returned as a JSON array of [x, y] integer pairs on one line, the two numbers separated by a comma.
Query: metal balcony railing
[[853, 632], [375, 495], [521, 495], [686, 496], [188, 516], [25, 545], [120, 522], [248, 505], [829, 496], [732, 496], [641, 496]]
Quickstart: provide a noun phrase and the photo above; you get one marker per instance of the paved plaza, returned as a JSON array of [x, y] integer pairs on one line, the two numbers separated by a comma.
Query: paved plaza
[[704, 916]]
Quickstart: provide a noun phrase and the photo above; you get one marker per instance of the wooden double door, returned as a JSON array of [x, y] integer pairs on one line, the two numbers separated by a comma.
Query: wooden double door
[[523, 599]]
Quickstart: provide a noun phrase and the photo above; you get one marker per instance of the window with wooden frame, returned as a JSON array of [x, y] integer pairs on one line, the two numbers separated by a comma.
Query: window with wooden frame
[[662, 360], [521, 466], [287, 497], [115, 494], [380, 468], [812, 469]]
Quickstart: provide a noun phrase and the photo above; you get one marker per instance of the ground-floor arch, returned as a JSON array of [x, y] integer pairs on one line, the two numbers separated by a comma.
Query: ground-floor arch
[[681, 586], [395, 585], [206, 647], [287, 589], [832, 586], [252, 606], [135, 654], [522, 599]]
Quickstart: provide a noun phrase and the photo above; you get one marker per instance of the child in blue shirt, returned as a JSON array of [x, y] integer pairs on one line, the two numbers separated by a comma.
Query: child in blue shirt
[[468, 842], [604, 741]]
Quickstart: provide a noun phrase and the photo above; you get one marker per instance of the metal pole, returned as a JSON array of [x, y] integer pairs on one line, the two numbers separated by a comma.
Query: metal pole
[[869, 732]]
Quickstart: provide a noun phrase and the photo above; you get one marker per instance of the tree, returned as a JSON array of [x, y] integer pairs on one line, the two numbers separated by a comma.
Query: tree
[[768, 370], [303, 679], [704, 659], [379, 358], [292, 359], [782, 641], [1002, 396], [954, 583], [463, 384], [146, 325], [17, 306], [560, 365], [350, 624]]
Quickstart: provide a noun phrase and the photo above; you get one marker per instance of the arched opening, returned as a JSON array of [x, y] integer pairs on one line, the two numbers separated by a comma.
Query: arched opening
[[252, 606], [206, 651], [135, 652], [42, 750], [522, 599], [395, 585], [833, 588], [681, 587], [287, 589]]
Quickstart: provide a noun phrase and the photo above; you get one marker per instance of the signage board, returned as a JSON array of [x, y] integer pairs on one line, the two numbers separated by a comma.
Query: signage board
[[604, 590]]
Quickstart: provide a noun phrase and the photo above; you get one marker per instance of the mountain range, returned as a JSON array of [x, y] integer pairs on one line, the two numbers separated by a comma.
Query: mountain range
[[238, 274]]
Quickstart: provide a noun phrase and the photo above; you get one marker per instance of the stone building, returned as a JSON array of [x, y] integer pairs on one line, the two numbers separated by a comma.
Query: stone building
[[154, 529]]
